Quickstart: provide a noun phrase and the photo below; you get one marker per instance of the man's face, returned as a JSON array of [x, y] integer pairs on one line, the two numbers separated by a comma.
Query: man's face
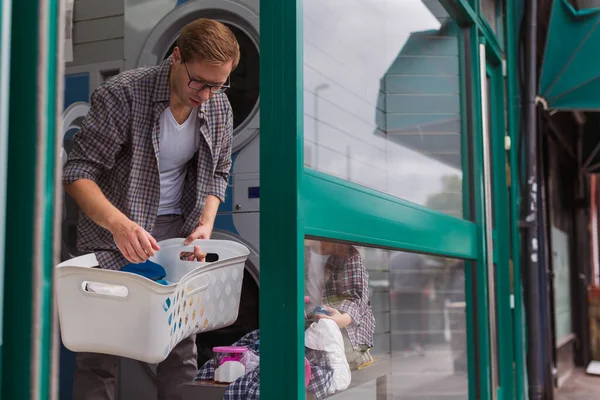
[[192, 77]]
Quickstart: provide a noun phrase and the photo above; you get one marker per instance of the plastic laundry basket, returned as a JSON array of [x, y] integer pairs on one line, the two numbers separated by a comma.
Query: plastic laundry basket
[[142, 319]]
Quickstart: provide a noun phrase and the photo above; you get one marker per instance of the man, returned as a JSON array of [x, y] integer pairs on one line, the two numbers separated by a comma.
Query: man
[[152, 162]]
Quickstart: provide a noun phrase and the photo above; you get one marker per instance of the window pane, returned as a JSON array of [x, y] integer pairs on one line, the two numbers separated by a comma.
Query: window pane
[[398, 313], [382, 98]]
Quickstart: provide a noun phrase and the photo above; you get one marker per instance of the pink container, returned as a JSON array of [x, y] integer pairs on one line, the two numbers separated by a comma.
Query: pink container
[[223, 354], [306, 372]]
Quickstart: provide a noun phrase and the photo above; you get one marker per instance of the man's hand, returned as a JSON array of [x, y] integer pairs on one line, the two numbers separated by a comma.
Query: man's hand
[[197, 255], [135, 243], [203, 231], [342, 320]]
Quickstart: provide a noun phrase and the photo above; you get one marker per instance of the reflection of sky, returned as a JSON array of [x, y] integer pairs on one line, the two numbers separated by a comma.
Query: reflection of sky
[[350, 45]]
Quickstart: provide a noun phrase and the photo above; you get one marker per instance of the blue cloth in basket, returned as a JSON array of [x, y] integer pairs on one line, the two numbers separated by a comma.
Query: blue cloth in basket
[[148, 269]]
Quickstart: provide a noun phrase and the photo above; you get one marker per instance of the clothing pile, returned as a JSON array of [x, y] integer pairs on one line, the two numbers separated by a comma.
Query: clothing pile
[[247, 387]]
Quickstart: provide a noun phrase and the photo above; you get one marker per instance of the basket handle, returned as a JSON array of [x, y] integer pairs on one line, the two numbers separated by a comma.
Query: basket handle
[[106, 289], [193, 282]]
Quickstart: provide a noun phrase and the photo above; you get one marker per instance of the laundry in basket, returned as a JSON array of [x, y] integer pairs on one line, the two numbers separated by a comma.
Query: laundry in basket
[[140, 318], [149, 269]]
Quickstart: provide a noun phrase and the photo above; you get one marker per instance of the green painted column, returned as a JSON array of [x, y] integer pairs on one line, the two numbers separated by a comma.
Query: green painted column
[[30, 202], [514, 9], [5, 19], [479, 269], [281, 226]]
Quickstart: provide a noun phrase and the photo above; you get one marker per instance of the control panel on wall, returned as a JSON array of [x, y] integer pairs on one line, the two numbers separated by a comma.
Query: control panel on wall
[[246, 192]]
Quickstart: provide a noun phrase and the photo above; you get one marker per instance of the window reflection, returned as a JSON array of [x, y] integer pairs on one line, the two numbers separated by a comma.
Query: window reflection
[[391, 312], [382, 98]]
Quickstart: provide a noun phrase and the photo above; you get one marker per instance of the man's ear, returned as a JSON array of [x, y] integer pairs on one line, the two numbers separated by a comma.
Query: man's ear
[[176, 54]]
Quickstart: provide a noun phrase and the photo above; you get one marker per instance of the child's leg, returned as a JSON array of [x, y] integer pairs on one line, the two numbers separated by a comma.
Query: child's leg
[[355, 356]]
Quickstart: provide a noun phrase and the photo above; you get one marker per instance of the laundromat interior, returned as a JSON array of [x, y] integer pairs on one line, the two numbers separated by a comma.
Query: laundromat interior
[[116, 35], [390, 127]]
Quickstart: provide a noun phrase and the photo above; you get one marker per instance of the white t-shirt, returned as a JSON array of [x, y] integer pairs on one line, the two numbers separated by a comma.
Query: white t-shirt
[[178, 144]]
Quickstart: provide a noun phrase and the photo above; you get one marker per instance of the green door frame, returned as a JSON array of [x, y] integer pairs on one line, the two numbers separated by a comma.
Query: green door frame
[[31, 201], [5, 45], [281, 224], [501, 235], [512, 19]]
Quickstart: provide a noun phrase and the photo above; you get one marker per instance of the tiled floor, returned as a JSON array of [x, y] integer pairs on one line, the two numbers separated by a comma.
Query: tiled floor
[[580, 386]]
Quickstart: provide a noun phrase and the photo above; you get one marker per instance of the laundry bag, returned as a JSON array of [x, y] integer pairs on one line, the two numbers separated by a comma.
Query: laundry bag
[[138, 318]]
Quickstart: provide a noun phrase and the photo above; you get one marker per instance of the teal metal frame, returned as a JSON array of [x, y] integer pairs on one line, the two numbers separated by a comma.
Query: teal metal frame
[[5, 46], [502, 233], [514, 115], [281, 225], [30, 202], [338, 209]]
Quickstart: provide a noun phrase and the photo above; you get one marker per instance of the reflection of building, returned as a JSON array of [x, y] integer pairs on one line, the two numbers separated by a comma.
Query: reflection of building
[[419, 99]]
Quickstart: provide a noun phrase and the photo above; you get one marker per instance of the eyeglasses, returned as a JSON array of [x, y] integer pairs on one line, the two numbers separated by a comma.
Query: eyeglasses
[[199, 85]]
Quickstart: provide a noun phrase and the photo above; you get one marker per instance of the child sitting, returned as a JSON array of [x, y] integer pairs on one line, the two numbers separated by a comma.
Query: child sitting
[[337, 279]]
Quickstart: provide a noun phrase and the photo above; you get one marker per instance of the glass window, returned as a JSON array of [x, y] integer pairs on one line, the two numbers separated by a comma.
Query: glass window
[[382, 97], [398, 313]]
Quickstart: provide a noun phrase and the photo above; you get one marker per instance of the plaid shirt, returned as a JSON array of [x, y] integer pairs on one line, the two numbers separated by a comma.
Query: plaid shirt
[[346, 288], [118, 148]]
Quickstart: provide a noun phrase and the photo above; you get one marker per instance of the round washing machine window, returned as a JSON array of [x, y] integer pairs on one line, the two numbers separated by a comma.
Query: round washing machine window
[[244, 91]]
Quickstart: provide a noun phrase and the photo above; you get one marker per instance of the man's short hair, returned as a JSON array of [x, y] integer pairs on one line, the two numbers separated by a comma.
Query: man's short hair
[[209, 41]]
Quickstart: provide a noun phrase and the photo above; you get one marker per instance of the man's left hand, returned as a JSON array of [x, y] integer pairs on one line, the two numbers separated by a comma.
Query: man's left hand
[[203, 231]]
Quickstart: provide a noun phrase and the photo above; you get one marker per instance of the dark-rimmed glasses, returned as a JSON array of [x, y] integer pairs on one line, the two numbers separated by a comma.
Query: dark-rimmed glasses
[[196, 84]]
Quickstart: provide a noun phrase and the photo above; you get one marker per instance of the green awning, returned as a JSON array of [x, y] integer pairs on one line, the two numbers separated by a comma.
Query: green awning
[[570, 76]]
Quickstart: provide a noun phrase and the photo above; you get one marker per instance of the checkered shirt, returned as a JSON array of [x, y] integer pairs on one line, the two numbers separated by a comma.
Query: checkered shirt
[[346, 288], [118, 148], [247, 387]]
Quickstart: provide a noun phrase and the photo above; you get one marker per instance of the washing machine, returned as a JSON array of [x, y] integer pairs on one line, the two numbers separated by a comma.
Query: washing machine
[[151, 28]]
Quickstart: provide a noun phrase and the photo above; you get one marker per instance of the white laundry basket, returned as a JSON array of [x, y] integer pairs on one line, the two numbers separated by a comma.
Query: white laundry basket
[[142, 319]]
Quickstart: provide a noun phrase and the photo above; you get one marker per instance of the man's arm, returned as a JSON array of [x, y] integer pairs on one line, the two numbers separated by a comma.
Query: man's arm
[[95, 147], [207, 220], [216, 187], [132, 240]]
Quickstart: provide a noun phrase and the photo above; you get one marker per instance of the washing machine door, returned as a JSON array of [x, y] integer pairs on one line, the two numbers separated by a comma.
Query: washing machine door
[[71, 124], [243, 21]]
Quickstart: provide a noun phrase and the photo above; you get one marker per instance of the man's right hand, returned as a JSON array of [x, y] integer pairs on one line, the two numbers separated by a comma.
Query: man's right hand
[[135, 243]]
